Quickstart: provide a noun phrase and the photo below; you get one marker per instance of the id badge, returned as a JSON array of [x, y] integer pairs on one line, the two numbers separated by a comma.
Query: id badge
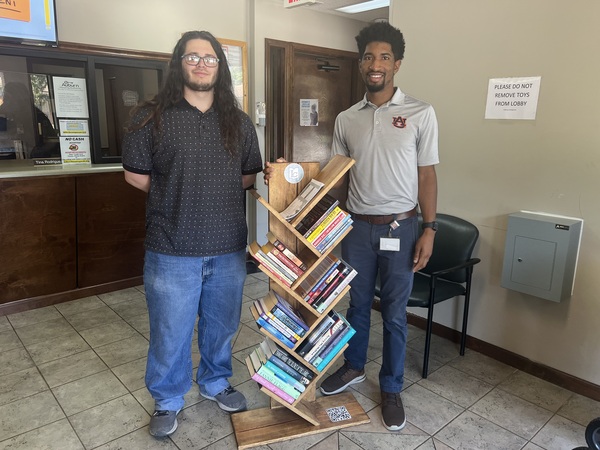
[[389, 243]]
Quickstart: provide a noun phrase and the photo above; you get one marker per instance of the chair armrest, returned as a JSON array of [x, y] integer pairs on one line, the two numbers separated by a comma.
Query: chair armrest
[[469, 263]]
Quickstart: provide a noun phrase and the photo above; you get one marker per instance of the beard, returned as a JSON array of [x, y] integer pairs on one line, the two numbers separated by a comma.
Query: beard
[[198, 87], [374, 87]]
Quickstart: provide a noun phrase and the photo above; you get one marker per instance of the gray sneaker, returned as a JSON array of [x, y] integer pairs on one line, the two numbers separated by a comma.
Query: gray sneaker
[[228, 399], [341, 379], [163, 423]]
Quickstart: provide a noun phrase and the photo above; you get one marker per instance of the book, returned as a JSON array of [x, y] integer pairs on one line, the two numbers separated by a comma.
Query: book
[[287, 369], [274, 332], [337, 291], [289, 359], [290, 310], [331, 228], [336, 349], [323, 340], [287, 261], [265, 383], [299, 203], [286, 251], [341, 272], [333, 237], [313, 281], [281, 315], [323, 225], [335, 338], [323, 282], [316, 215], [314, 336], [259, 255], [274, 323], [281, 267], [268, 375], [346, 336]]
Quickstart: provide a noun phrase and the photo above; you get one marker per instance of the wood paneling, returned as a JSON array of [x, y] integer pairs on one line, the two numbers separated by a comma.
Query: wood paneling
[[110, 229], [37, 237]]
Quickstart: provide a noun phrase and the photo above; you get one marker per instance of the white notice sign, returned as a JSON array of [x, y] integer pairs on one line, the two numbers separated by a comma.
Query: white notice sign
[[75, 150], [70, 96], [513, 98]]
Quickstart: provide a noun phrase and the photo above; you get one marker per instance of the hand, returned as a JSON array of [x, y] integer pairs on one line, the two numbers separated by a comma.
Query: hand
[[423, 250], [268, 170]]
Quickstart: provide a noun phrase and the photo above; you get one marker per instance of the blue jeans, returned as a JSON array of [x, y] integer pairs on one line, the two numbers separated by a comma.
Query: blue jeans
[[177, 290], [360, 249]]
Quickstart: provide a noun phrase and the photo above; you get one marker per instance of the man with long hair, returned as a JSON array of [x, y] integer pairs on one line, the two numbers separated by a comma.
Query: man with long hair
[[194, 152], [393, 138]]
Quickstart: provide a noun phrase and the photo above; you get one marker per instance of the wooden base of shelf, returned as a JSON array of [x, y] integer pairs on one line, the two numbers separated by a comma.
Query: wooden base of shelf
[[267, 425]]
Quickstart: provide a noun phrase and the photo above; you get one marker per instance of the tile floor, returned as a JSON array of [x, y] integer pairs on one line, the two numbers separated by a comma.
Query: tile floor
[[71, 377]]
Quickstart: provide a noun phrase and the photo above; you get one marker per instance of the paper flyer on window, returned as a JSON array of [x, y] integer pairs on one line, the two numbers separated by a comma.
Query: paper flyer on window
[[75, 150]]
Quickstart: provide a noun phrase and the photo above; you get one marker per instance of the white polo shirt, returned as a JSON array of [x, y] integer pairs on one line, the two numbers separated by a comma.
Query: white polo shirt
[[388, 143]]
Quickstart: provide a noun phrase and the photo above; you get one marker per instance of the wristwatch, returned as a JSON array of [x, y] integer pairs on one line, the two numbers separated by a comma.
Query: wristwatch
[[432, 225]]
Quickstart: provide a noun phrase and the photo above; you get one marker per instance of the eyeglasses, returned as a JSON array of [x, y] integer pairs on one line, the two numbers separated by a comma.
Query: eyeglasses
[[193, 60]]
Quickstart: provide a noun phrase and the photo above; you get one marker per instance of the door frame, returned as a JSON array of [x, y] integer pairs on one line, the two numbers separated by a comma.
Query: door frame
[[279, 80]]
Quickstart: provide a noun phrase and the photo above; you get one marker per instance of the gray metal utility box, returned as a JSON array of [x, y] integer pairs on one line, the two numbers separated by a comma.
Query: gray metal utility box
[[540, 256]]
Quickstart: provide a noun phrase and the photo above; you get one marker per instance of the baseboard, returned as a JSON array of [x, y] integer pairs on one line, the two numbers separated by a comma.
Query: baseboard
[[52, 299], [549, 374]]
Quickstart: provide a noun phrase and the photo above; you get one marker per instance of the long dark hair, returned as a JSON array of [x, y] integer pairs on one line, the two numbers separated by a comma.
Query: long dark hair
[[171, 93]]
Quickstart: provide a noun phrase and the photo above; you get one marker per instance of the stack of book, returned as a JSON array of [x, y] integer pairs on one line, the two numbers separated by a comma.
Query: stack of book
[[277, 316], [326, 341], [279, 372], [326, 282], [275, 257], [324, 223]]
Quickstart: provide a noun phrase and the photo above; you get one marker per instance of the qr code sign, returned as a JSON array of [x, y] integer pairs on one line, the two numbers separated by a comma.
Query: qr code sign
[[338, 414]]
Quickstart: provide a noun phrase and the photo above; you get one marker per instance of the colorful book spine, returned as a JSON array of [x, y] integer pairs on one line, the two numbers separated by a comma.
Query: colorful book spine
[[310, 341], [286, 251], [275, 323], [339, 275], [274, 389], [268, 375], [290, 311], [287, 369], [332, 237], [285, 377], [335, 350], [330, 345], [274, 332], [324, 285], [328, 230], [286, 358], [323, 340], [286, 261], [259, 255], [330, 218], [318, 286], [338, 290], [282, 268], [281, 315]]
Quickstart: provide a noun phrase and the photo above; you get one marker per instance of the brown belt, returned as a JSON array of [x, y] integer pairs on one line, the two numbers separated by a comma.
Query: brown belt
[[384, 220]]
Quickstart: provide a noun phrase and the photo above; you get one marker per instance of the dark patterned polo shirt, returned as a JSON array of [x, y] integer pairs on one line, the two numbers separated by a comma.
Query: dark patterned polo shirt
[[195, 206]]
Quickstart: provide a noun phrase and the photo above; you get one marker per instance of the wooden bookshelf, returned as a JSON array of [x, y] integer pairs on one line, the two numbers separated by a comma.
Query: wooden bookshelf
[[307, 414]]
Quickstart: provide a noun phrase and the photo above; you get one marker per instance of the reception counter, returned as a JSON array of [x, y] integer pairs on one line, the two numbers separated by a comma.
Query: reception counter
[[67, 233]]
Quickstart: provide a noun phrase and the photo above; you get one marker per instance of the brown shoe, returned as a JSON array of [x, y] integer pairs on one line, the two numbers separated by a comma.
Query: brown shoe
[[341, 379], [392, 411]]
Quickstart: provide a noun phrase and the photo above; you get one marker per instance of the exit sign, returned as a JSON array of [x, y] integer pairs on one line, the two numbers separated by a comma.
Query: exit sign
[[294, 3]]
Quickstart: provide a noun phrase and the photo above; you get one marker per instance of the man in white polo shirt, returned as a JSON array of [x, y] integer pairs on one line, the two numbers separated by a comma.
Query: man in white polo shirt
[[394, 139]]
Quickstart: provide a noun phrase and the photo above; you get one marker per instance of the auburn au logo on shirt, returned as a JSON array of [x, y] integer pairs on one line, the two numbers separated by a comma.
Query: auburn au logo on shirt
[[399, 122]]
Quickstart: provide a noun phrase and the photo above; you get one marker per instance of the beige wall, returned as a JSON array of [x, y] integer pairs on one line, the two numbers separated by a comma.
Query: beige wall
[[488, 168], [491, 168]]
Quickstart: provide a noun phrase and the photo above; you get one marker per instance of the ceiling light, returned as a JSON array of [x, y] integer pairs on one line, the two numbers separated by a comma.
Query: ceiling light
[[365, 6]]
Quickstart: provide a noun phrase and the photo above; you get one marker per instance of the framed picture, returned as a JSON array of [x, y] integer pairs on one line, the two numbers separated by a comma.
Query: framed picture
[[237, 58]]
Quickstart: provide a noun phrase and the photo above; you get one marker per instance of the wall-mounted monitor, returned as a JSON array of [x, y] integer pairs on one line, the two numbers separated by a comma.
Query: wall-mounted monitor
[[28, 22]]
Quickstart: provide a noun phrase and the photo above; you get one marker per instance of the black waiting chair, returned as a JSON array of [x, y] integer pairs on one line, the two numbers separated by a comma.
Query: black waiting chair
[[447, 275]]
